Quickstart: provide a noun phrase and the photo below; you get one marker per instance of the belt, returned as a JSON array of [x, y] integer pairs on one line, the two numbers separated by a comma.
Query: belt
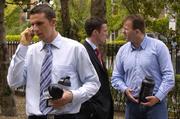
[[51, 116]]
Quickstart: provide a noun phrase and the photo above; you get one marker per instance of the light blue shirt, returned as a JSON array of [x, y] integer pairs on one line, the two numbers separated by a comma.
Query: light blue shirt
[[70, 58], [91, 44], [151, 59]]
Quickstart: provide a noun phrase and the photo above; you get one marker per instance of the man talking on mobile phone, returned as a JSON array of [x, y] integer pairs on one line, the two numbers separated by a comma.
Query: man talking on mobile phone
[[51, 61]]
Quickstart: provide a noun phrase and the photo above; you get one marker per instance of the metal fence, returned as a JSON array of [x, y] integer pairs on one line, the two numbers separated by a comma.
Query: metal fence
[[112, 49], [119, 99], [12, 46]]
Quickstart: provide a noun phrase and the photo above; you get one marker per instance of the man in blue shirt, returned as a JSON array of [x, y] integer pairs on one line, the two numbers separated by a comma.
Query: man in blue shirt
[[142, 57]]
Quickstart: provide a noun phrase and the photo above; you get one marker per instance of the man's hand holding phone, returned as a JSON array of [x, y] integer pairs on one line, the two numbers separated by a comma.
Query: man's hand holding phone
[[26, 36]]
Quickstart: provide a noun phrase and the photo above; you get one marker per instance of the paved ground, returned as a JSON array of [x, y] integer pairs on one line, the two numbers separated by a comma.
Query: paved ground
[[119, 115], [20, 101]]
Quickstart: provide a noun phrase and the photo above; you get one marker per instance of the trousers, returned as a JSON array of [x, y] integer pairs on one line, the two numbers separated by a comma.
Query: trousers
[[63, 116], [137, 111]]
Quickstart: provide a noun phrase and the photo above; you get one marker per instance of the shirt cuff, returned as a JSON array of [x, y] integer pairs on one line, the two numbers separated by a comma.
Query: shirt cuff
[[123, 89], [160, 95], [75, 97]]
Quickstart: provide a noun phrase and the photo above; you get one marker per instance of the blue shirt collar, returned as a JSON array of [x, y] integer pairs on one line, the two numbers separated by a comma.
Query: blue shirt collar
[[142, 45]]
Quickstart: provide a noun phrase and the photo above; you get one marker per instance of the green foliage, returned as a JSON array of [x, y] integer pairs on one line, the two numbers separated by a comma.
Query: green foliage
[[147, 8], [109, 72], [9, 9], [115, 14], [116, 11], [12, 20], [79, 10], [159, 25], [12, 37], [22, 1], [117, 42], [177, 77], [174, 5], [58, 16], [113, 47], [120, 37], [151, 10], [16, 38], [7, 92]]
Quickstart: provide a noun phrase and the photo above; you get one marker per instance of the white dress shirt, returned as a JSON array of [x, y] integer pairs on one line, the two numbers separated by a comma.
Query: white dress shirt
[[70, 58], [91, 44]]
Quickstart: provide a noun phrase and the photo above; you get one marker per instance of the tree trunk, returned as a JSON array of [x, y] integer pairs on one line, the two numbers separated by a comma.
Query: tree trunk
[[66, 23], [7, 102], [98, 8]]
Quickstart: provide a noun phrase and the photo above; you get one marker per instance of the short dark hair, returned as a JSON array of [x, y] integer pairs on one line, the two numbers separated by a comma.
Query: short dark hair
[[93, 23], [43, 8], [137, 22]]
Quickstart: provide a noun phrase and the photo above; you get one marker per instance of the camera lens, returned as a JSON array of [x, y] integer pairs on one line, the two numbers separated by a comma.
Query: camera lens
[[55, 91]]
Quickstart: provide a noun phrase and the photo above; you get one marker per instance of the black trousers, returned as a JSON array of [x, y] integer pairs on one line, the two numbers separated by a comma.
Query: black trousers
[[63, 116], [87, 111]]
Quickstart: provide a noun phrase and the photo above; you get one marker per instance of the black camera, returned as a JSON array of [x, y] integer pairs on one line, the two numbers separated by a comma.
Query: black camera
[[147, 88], [56, 90]]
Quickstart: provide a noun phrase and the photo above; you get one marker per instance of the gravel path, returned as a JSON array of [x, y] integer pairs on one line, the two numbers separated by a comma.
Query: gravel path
[[20, 103]]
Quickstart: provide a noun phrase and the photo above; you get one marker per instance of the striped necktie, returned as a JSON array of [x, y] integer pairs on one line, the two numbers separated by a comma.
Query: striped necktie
[[45, 79]]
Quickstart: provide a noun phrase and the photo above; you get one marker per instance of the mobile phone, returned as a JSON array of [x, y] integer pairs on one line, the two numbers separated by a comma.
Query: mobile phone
[[31, 31]]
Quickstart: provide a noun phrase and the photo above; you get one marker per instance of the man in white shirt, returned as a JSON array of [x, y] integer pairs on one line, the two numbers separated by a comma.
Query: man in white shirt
[[67, 58]]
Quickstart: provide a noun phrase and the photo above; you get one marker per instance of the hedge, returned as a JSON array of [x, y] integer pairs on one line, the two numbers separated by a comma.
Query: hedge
[[12, 38], [17, 37]]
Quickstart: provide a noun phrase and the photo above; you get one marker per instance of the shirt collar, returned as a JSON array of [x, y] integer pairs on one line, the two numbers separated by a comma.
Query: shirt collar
[[91, 44], [55, 43], [142, 45]]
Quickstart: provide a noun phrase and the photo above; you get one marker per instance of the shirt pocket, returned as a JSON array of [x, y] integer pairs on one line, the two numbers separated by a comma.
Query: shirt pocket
[[63, 75]]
